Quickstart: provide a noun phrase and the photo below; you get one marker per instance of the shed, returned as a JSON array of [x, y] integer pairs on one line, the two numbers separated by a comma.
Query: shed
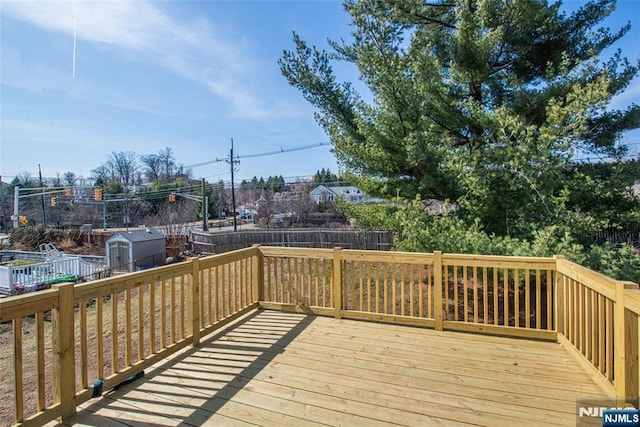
[[135, 250]]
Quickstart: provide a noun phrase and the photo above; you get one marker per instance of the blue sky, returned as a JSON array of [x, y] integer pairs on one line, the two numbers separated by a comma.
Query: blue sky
[[190, 75]]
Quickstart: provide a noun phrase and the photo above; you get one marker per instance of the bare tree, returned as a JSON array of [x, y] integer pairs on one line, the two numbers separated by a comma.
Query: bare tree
[[152, 167], [24, 179], [223, 203], [301, 206], [120, 167], [57, 181], [266, 209], [123, 165], [102, 173], [69, 178], [173, 218], [167, 163]]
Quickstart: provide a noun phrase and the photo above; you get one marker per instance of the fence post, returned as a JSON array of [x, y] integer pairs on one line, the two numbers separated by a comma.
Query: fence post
[[337, 282], [558, 297], [438, 300], [258, 280], [62, 337], [195, 301]]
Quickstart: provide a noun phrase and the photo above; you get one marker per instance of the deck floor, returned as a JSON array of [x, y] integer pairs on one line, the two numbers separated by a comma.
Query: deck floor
[[280, 369]]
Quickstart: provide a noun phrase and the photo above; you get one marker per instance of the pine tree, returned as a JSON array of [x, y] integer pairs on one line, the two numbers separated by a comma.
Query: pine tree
[[479, 102]]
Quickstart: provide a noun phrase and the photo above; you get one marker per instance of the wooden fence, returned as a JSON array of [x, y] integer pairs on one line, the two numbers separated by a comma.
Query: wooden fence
[[629, 235], [300, 238], [106, 331]]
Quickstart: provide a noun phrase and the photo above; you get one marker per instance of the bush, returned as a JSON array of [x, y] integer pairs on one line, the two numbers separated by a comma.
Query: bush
[[419, 231], [621, 263], [30, 237]]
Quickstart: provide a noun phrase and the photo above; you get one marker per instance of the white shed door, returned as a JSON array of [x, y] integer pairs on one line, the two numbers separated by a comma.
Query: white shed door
[[119, 255]]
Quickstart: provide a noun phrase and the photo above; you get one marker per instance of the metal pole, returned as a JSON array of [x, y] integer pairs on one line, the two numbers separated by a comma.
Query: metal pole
[[205, 224], [4, 207], [44, 206], [205, 215], [104, 214], [233, 190], [16, 206]]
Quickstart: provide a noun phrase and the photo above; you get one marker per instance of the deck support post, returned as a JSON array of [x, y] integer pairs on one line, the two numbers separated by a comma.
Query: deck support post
[[195, 301], [558, 297], [258, 278], [64, 375], [438, 303], [337, 282]]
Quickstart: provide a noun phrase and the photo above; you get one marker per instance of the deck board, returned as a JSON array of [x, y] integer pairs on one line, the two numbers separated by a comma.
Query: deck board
[[275, 368]]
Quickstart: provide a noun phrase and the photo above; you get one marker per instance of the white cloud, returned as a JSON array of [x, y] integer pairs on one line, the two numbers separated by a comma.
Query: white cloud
[[191, 50]]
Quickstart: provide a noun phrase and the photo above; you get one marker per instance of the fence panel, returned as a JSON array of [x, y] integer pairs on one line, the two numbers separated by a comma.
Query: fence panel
[[298, 277], [389, 283], [226, 285], [299, 238]]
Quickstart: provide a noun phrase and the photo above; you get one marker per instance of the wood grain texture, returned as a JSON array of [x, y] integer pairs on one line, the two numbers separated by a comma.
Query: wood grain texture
[[276, 368]]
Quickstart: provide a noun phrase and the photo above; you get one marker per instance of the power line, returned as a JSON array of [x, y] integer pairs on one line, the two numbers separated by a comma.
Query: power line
[[268, 153], [282, 150]]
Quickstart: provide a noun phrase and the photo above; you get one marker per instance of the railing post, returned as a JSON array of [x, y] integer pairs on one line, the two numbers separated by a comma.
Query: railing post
[[195, 301], [630, 349], [64, 373], [558, 297], [258, 280], [626, 346], [437, 286], [337, 282], [618, 341]]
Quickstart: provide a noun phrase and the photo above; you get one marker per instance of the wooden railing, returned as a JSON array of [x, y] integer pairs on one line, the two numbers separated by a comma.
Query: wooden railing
[[104, 332], [598, 320]]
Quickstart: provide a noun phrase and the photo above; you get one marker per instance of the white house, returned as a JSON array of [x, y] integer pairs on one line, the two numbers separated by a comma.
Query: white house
[[330, 194]]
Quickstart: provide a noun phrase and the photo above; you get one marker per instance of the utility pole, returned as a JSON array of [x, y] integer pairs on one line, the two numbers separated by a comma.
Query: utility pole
[[4, 208], [44, 206], [104, 214], [16, 206], [205, 209], [232, 162]]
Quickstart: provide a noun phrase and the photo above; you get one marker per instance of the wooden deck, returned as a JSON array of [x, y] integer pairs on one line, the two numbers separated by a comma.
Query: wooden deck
[[278, 369]]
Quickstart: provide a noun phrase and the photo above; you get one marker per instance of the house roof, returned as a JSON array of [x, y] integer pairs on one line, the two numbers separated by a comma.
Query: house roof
[[137, 235], [337, 190]]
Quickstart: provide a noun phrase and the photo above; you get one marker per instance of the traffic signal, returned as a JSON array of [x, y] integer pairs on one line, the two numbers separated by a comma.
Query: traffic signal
[[172, 197], [97, 194], [67, 191], [54, 201]]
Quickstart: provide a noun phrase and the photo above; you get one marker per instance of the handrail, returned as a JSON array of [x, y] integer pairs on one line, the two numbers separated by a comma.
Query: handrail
[[599, 325], [127, 323]]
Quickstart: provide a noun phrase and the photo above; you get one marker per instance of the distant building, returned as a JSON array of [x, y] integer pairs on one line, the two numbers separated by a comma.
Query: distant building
[[322, 194], [135, 249]]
